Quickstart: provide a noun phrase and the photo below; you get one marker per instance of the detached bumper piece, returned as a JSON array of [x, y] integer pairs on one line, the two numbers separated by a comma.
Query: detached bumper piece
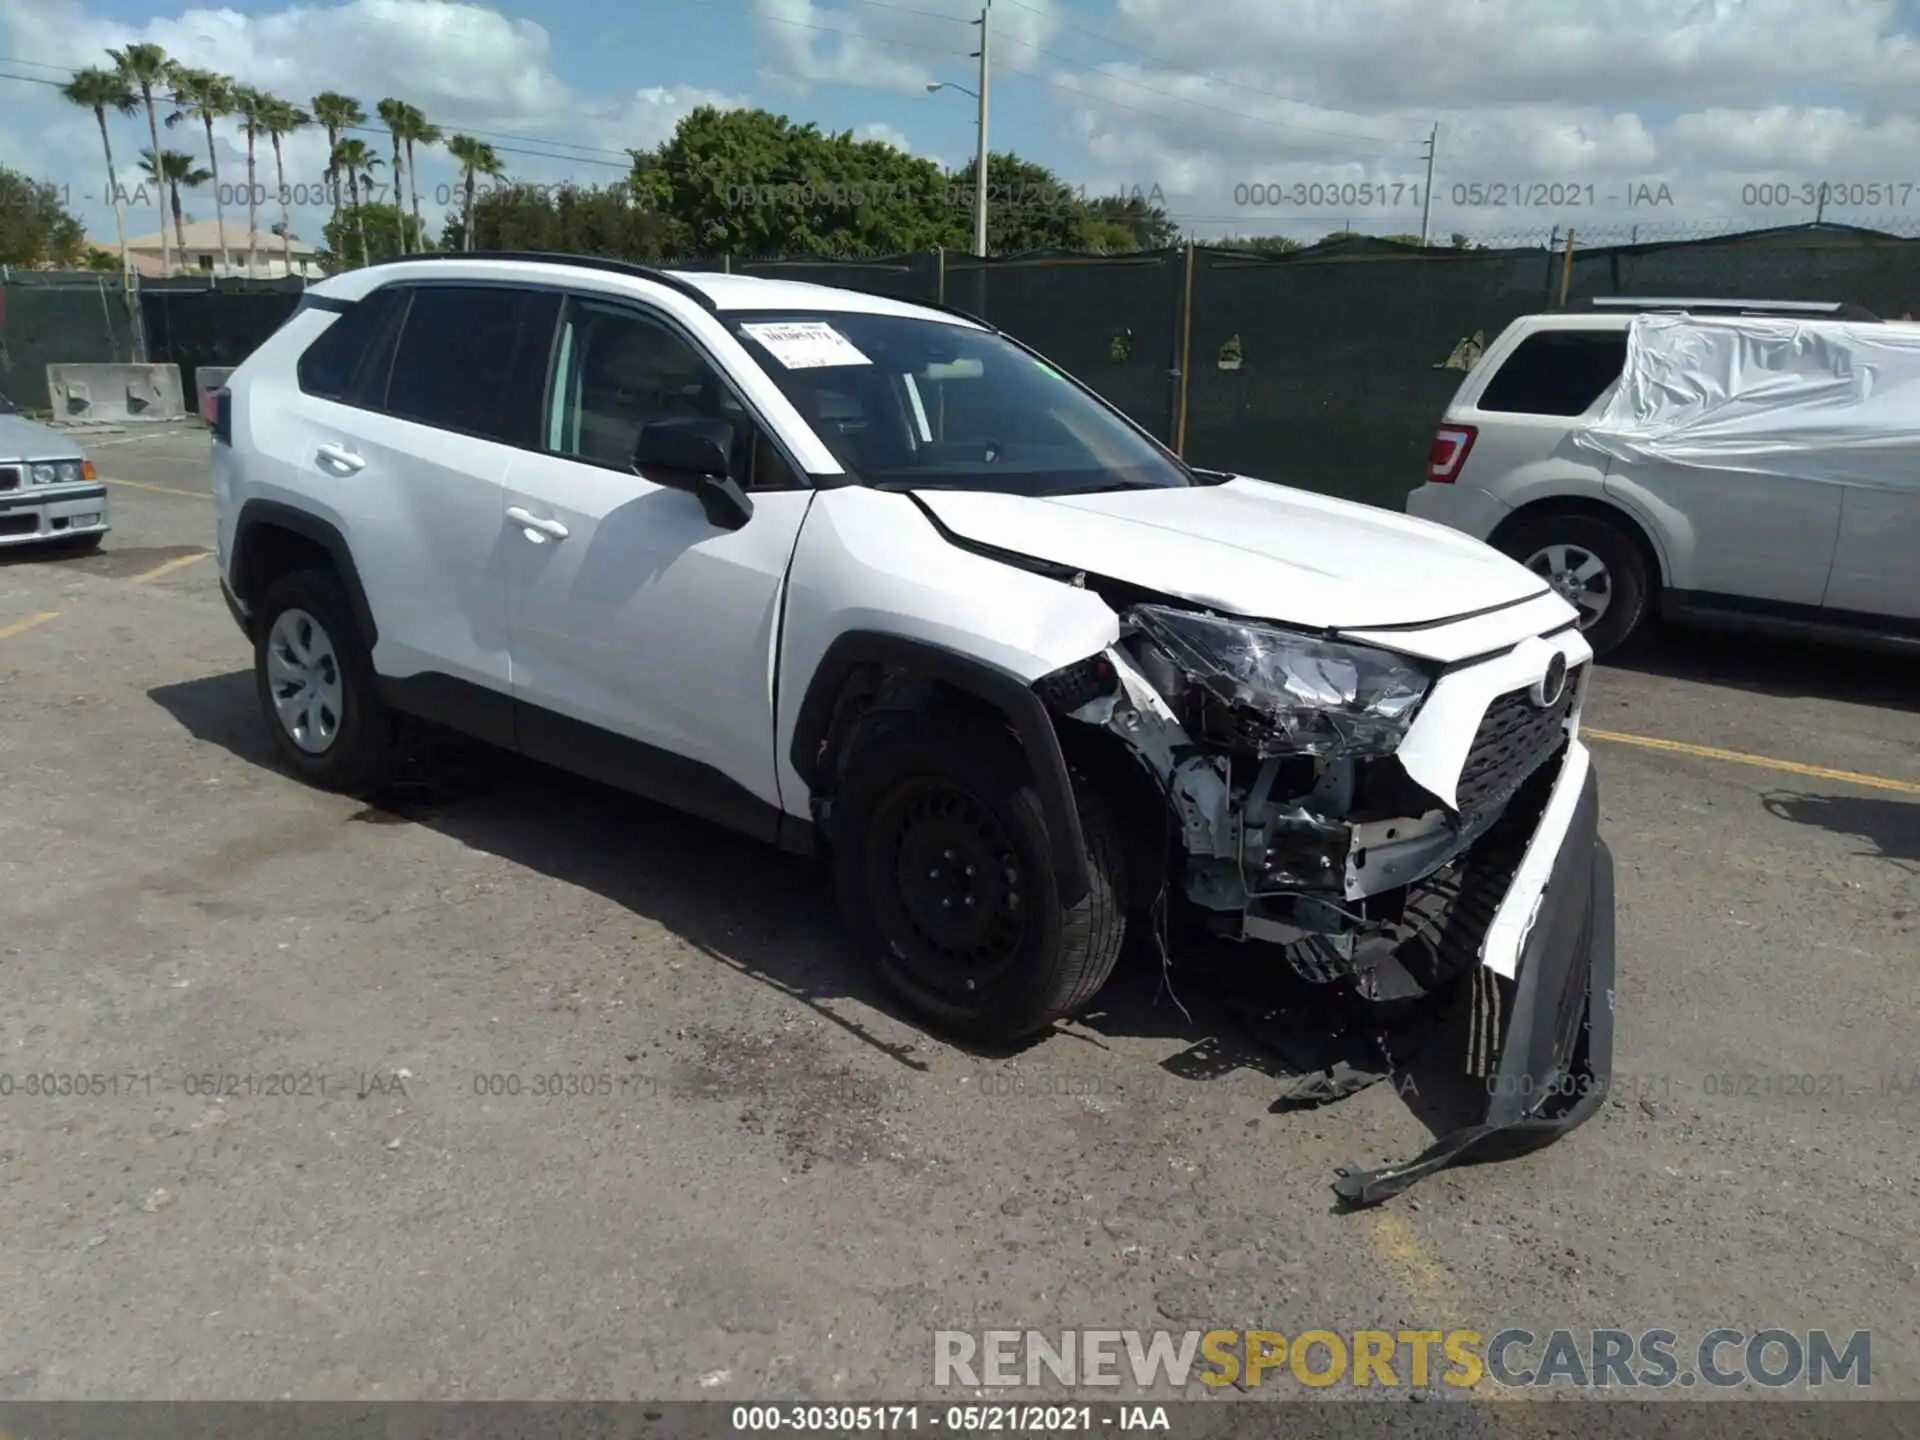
[[1541, 1044]]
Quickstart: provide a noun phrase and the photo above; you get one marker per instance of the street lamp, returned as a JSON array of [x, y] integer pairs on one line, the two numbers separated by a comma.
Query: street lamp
[[980, 158]]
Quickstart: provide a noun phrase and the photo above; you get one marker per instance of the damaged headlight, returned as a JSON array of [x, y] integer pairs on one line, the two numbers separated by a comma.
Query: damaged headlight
[[1293, 693]]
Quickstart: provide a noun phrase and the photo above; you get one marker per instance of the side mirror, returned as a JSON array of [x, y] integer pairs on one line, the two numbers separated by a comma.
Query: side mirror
[[693, 454]]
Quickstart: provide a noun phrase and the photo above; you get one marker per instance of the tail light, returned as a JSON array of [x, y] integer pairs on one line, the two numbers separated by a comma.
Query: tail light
[[1448, 453], [222, 416]]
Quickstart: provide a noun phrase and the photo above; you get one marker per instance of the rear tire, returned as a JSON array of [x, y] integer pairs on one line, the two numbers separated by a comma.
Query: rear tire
[[945, 869], [315, 679], [1564, 550]]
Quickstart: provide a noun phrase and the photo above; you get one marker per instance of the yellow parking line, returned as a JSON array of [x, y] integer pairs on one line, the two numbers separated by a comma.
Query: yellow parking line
[[20, 627], [157, 489], [179, 562], [1740, 757]]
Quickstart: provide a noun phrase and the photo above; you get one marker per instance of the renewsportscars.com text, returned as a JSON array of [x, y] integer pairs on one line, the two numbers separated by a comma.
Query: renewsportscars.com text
[[1513, 1357]]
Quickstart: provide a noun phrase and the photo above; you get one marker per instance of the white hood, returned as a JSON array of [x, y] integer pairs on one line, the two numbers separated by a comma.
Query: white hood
[[1252, 549]]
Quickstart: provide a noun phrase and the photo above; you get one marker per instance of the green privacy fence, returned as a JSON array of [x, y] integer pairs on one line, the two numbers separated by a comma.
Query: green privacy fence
[[1325, 367]]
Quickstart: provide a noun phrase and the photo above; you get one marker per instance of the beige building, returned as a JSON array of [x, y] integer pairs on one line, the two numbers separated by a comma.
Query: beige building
[[202, 253]]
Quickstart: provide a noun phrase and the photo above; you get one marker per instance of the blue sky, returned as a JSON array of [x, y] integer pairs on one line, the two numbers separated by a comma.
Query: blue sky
[[1248, 116]]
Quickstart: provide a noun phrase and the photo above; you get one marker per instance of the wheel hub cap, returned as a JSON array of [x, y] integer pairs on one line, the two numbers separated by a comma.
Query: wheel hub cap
[[304, 680], [1577, 576]]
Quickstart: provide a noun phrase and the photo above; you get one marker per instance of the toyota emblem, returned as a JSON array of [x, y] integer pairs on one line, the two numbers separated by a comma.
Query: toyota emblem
[[1548, 689]]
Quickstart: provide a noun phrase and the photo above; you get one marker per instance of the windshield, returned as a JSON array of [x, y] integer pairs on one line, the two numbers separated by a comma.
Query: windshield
[[911, 404]]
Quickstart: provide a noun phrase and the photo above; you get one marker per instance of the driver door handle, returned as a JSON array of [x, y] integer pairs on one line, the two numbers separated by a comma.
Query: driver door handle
[[338, 457], [537, 530]]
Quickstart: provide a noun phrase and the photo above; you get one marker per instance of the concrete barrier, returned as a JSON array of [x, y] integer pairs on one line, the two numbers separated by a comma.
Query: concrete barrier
[[116, 393], [206, 380]]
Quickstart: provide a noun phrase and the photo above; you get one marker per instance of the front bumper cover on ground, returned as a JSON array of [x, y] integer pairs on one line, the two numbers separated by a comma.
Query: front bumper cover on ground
[[1555, 1058]]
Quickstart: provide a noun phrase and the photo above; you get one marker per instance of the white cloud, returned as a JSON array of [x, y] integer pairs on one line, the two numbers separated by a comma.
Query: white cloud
[[900, 48], [884, 133], [470, 68]]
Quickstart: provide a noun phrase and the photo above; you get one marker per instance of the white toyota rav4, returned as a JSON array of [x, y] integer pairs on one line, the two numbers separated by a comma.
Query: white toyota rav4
[[872, 580]]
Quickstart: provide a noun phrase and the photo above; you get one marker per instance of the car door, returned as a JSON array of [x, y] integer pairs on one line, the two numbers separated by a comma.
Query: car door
[[1874, 570], [643, 635], [417, 463]]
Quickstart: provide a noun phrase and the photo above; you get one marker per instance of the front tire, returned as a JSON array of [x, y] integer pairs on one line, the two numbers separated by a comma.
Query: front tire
[[315, 679], [1596, 566], [945, 868]]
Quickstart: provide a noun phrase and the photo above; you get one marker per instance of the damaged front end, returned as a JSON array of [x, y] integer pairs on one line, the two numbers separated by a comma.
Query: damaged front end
[[1420, 840]]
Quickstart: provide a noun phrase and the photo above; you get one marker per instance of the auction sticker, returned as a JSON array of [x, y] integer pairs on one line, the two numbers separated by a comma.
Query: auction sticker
[[806, 344]]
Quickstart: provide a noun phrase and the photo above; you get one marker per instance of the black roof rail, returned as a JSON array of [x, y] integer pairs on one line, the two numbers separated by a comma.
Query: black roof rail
[[586, 262], [1708, 305]]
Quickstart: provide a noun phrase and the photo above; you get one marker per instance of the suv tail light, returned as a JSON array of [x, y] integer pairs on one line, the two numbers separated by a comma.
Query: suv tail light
[[1448, 453], [222, 416]]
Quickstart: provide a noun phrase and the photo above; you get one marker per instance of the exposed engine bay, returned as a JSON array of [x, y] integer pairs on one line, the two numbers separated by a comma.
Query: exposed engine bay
[[1298, 825]]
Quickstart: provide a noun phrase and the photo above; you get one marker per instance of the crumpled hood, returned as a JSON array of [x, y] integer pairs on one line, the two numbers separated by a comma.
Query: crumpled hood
[[24, 439], [1252, 549]]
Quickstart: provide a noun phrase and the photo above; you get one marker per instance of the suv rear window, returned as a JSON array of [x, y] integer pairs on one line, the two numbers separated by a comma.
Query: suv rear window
[[1557, 372], [337, 362], [473, 358]]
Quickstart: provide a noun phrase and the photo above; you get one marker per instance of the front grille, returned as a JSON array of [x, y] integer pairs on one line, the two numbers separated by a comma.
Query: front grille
[[1513, 741], [9, 478], [27, 524]]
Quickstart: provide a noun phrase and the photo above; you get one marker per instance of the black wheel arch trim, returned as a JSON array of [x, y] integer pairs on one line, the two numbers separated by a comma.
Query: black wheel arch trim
[[1002, 689], [258, 514]]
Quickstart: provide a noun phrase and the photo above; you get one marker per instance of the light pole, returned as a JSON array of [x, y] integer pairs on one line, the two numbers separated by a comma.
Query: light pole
[[980, 156]]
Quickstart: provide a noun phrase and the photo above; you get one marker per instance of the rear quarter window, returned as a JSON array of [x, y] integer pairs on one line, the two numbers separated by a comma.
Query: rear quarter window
[[347, 355], [1556, 372]]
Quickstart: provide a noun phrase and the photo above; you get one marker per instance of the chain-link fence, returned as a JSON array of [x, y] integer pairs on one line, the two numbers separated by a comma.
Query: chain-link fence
[[1325, 366]]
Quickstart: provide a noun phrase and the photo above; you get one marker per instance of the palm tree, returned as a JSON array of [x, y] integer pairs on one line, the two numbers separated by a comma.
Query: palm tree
[[250, 105], [355, 160], [100, 91], [173, 169], [337, 113], [206, 97], [423, 132], [393, 115], [281, 119], [476, 158], [145, 68]]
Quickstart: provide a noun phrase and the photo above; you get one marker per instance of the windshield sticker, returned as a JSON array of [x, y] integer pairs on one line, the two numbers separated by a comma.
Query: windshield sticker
[[806, 344]]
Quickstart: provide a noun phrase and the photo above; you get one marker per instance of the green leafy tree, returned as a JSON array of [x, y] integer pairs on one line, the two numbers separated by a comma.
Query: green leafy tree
[[204, 96], [146, 70], [1268, 244], [280, 119], [371, 231], [476, 158], [169, 171], [749, 182], [393, 115], [353, 159], [416, 129], [101, 90], [1134, 221], [252, 106], [35, 226], [336, 114], [575, 220]]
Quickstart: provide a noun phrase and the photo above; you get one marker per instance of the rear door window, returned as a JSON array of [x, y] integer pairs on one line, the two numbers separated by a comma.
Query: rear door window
[[1556, 372], [473, 359]]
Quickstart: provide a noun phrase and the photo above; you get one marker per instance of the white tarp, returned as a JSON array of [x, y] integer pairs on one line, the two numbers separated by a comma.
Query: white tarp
[[1823, 400]]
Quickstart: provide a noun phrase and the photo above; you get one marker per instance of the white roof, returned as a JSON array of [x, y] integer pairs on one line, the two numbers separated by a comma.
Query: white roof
[[205, 235], [726, 292]]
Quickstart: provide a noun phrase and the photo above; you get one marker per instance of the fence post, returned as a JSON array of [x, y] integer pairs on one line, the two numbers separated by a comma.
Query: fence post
[[1186, 356], [1566, 270], [940, 263]]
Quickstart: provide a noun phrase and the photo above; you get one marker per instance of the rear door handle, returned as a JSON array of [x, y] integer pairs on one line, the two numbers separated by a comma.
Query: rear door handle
[[537, 530], [339, 458]]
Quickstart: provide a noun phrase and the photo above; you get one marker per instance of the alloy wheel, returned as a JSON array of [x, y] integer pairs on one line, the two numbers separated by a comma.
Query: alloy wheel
[[1578, 576]]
